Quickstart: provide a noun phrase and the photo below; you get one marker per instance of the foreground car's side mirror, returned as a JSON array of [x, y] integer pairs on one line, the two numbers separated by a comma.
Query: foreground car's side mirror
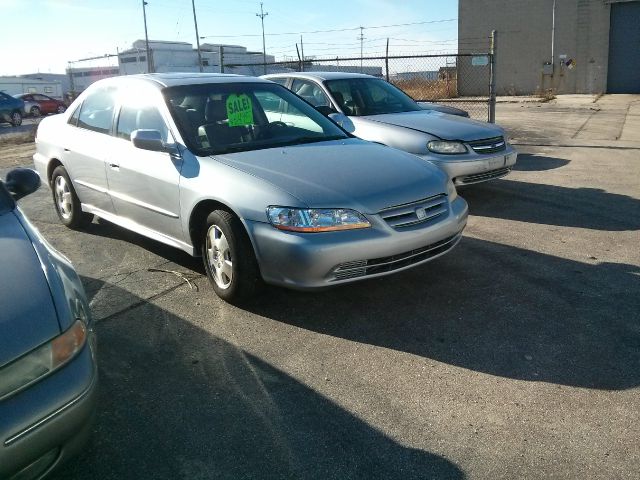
[[151, 140], [22, 182]]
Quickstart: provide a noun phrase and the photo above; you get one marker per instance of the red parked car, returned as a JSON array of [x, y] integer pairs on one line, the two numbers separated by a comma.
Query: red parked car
[[43, 104]]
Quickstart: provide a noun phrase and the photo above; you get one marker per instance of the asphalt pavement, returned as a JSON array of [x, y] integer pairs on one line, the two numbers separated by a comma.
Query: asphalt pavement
[[517, 355]]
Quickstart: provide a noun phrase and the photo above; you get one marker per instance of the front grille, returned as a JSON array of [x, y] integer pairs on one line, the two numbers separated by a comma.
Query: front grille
[[427, 210], [362, 268], [488, 145], [481, 177]]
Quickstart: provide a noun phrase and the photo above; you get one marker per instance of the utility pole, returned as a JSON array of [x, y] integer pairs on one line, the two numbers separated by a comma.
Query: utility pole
[[146, 35], [302, 53], [361, 38], [195, 21], [263, 14]]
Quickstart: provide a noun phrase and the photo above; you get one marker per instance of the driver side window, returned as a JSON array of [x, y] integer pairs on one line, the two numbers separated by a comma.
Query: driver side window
[[137, 118]]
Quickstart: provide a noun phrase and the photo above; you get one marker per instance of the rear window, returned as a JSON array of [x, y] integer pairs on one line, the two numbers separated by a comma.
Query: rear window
[[96, 112]]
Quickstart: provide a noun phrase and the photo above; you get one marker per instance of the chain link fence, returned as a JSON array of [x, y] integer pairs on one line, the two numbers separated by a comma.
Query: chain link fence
[[459, 80]]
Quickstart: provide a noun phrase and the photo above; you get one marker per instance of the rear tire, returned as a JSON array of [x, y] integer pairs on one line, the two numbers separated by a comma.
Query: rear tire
[[66, 201], [229, 258], [16, 118], [35, 111]]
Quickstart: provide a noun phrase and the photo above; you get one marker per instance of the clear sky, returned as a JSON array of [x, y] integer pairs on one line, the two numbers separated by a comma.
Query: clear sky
[[46, 34]]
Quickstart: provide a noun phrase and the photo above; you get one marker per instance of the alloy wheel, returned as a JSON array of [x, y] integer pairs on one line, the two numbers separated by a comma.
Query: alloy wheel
[[219, 257], [63, 197]]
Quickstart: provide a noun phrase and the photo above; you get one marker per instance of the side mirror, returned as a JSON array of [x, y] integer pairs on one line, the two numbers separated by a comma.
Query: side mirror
[[22, 182], [343, 121], [325, 110], [151, 140]]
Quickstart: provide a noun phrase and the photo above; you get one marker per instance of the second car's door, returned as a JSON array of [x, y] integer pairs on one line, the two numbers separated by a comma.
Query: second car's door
[[144, 185]]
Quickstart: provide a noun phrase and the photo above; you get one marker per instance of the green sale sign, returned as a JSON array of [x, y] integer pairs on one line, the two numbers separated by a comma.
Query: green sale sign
[[239, 110]]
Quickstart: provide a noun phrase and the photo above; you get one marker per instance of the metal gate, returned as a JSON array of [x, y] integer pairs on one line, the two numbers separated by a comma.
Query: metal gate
[[624, 48]]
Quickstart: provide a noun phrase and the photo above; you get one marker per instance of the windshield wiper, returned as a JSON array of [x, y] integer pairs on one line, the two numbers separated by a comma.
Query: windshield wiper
[[313, 139]]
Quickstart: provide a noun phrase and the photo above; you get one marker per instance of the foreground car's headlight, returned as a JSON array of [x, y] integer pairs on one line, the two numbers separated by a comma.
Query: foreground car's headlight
[[43, 360], [446, 148], [316, 219], [452, 193]]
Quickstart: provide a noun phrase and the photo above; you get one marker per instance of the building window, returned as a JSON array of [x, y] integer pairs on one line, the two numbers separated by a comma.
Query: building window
[[48, 89], [128, 59], [32, 90], [205, 63]]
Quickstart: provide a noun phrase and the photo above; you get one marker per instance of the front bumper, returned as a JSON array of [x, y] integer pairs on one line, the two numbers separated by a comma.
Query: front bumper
[[320, 260], [49, 422], [473, 168]]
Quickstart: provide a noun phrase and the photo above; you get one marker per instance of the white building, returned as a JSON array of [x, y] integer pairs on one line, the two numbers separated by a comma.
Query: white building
[[166, 56], [18, 85]]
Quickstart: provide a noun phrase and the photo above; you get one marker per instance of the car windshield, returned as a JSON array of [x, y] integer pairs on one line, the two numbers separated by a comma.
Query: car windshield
[[218, 118], [369, 96]]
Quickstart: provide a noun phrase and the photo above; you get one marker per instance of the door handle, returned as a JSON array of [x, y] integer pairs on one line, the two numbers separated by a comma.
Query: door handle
[[67, 150], [115, 166]]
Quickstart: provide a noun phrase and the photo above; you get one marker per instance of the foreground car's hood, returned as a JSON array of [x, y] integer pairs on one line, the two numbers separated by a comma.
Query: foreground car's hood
[[343, 174], [448, 127], [27, 314]]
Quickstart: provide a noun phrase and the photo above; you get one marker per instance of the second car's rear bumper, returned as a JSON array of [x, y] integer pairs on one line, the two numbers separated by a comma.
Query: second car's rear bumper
[[319, 260]]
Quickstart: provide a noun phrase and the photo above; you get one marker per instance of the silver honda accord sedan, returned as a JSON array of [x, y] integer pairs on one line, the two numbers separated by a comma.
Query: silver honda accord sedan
[[47, 366], [373, 109], [248, 175]]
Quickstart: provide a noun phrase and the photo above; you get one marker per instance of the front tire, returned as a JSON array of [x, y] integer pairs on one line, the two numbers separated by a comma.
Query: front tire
[[229, 258], [61, 109], [66, 201], [35, 111]]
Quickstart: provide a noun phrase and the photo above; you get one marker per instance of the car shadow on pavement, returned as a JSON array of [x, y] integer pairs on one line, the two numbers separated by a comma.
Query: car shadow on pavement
[[104, 228], [528, 162], [176, 402], [490, 308], [590, 208]]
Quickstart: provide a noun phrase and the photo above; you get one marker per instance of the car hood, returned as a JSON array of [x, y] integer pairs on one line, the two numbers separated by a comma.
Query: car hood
[[442, 125], [27, 313], [347, 173]]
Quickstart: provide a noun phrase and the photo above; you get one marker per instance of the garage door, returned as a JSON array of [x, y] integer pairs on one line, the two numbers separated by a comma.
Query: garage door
[[624, 48]]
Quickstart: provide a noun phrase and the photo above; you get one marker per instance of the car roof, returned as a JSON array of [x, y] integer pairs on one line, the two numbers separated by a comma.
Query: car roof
[[319, 75], [176, 79]]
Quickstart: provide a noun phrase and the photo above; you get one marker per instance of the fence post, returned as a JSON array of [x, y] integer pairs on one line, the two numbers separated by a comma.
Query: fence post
[[386, 60], [221, 57], [492, 77]]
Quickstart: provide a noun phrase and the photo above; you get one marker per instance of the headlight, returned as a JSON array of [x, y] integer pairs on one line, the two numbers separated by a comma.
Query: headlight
[[316, 219], [446, 148], [43, 360], [451, 191]]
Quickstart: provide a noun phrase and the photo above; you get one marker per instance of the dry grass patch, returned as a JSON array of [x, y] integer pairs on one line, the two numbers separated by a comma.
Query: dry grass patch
[[422, 89]]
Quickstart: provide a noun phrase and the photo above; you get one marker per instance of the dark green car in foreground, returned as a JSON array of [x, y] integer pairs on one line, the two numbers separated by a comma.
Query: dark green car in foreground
[[11, 109]]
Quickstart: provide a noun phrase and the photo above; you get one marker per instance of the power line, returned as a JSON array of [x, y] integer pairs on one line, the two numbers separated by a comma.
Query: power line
[[335, 29]]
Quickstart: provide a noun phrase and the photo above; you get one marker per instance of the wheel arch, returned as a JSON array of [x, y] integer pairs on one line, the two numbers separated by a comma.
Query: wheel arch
[[52, 165], [199, 214]]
